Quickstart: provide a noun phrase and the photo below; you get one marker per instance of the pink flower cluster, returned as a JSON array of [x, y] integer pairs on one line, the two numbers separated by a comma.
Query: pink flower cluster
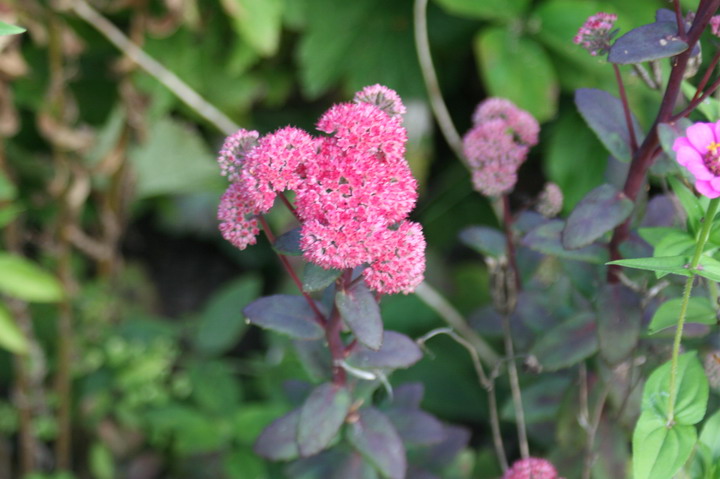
[[353, 190], [715, 25], [597, 33], [699, 152], [531, 468], [498, 144]]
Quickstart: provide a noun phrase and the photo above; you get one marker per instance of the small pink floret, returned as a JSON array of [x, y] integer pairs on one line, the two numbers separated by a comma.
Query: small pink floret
[[531, 468], [382, 97], [715, 25], [699, 152], [597, 33], [238, 222], [233, 152]]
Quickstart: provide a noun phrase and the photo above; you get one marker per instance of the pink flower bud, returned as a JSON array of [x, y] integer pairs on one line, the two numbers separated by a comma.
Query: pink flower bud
[[597, 33], [531, 468]]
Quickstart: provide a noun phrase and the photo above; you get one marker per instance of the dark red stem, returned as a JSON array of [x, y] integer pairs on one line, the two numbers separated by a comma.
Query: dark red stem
[[510, 246], [626, 109], [289, 206], [332, 333], [679, 19]]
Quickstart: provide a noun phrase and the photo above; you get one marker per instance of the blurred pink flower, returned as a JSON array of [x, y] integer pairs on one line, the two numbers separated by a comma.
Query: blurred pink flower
[[550, 200], [597, 33], [531, 468], [399, 266], [498, 144], [233, 152], [382, 97], [715, 25], [699, 152]]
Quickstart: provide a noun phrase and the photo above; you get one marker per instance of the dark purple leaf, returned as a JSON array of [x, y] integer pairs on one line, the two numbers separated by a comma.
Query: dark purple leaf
[[397, 351], [296, 391], [619, 319], [285, 314], [408, 395], [442, 454], [361, 313], [541, 400], [660, 211], [332, 464], [374, 436], [315, 358], [416, 427], [546, 239], [277, 441], [420, 474], [321, 416], [317, 278], [288, 243], [647, 42], [567, 344], [485, 240], [599, 212], [605, 116]]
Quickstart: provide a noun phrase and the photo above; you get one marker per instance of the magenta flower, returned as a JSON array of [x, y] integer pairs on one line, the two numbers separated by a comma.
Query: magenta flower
[[597, 33], [382, 97], [699, 152], [399, 266], [498, 145], [531, 468], [715, 25], [237, 215], [233, 152]]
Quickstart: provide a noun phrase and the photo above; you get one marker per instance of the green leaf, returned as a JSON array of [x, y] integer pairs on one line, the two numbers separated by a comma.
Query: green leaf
[[285, 314], [215, 388], [619, 318], [663, 264], [316, 278], [321, 416], [605, 116], [222, 324], [694, 206], [485, 240], [567, 344], [486, 9], [709, 107], [676, 243], [691, 391], [709, 268], [710, 435], [259, 22], [699, 310], [658, 451], [374, 436], [277, 441], [8, 191], [101, 462], [361, 313], [22, 279], [506, 61], [599, 212], [174, 160], [11, 338], [7, 29]]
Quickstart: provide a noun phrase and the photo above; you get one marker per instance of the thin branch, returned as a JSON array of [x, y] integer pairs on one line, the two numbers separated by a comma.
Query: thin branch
[[431, 82], [485, 382], [181, 89], [626, 108], [515, 388], [645, 76], [680, 20], [431, 297]]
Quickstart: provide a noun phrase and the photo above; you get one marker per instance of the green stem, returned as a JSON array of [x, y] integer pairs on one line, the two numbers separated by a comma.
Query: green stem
[[699, 247]]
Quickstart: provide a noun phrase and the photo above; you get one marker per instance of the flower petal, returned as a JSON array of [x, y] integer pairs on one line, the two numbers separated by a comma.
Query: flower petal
[[706, 189], [687, 155], [680, 142], [700, 171], [700, 135]]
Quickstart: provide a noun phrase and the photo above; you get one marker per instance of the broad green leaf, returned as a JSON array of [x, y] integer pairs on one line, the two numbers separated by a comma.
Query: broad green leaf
[[710, 435], [675, 243], [374, 436], [619, 317], [321, 417], [658, 451], [694, 206], [101, 461], [361, 313], [567, 344], [24, 280], [289, 315], [174, 160], [709, 268], [663, 264], [485, 240], [8, 191], [288, 243], [506, 61], [397, 351], [599, 212], [222, 324], [316, 278], [699, 310], [259, 22], [277, 441], [7, 29], [9, 213], [605, 116], [486, 9], [691, 391], [215, 388], [11, 338], [646, 43]]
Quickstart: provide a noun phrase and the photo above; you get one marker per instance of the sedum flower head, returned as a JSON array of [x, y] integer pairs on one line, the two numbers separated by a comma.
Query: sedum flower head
[[382, 97], [238, 217], [399, 265], [597, 33], [233, 152], [699, 152], [498, 144], [531, 468]]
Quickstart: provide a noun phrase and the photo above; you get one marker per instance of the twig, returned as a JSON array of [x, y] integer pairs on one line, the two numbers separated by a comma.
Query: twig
[[431, 82], [186, 94], [626, 109], [431, 297], [485, 382], [515, 388]]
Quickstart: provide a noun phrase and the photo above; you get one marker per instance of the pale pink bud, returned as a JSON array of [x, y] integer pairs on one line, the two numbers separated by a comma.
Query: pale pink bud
[[382, 97], [550, 201], [597, 33], [531, 468]]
